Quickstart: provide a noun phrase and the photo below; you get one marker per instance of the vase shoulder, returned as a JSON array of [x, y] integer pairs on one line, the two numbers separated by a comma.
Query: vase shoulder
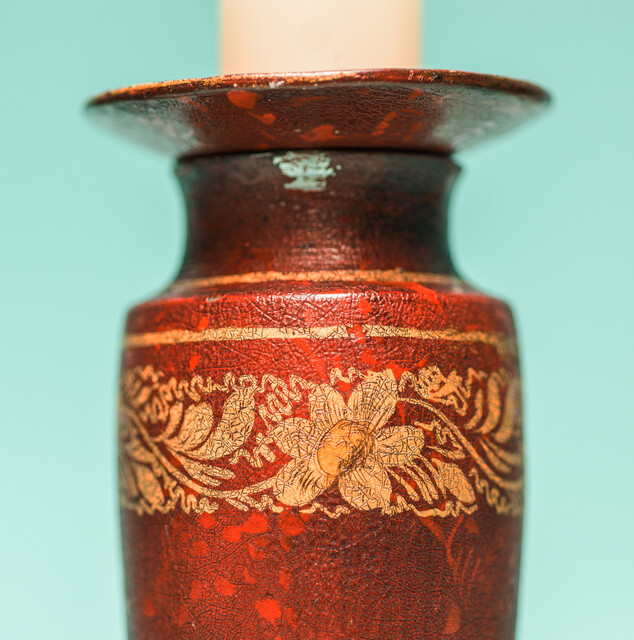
[[420, 301]]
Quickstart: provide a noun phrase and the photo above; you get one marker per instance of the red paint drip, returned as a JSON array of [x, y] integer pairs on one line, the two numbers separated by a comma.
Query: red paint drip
[[223, 587], [396, 370], [243, 99], [269, 609], [255, 523], [425, 292], [365, 306], [356, 333], [266, 118], [384, 124], [369, 359], [322, 133]]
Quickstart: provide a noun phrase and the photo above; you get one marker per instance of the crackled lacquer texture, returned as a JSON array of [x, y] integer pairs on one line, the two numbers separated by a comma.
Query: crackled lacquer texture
[[320, 421]]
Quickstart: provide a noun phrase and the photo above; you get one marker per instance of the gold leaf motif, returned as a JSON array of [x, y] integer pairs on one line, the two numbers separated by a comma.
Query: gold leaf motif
[[137, 452], [234, 427], [512, 414], [210, 475], [455, 480], [400, 445], [494, 402], [296, 437], [196, 426], [148, 485]]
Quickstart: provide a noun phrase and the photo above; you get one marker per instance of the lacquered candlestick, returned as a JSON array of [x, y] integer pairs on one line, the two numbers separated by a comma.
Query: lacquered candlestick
[[321, 432]]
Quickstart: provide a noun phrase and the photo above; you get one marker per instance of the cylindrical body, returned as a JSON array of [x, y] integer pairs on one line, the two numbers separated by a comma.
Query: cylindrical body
[[320, 422]]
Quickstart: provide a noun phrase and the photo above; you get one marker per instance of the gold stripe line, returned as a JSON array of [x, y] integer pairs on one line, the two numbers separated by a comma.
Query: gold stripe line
[[337, 332], [388, 276]]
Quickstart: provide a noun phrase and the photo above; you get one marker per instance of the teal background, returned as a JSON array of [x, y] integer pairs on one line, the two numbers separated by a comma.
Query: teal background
[[91, 224]]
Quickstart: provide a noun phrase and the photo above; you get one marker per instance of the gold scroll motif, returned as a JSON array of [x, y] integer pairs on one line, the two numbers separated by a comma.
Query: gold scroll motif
[[329, 452]]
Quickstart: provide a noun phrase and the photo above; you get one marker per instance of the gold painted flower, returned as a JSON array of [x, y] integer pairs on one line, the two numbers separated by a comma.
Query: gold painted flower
[[347, 443]]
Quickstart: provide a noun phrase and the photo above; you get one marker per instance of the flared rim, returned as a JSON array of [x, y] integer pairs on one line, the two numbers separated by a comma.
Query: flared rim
[[275, 81], [432, 111]]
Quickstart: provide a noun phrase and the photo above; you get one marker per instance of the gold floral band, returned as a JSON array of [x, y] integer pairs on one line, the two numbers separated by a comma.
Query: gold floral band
[[429, 442]]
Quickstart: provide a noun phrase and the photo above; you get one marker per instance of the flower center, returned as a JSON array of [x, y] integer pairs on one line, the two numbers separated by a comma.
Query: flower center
[[344, 446]]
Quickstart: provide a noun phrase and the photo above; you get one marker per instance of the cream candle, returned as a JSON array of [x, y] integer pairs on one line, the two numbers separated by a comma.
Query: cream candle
[[271, 36]]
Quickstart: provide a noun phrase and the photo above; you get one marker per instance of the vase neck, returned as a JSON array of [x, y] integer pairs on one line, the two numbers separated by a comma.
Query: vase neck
[[316, 211]]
